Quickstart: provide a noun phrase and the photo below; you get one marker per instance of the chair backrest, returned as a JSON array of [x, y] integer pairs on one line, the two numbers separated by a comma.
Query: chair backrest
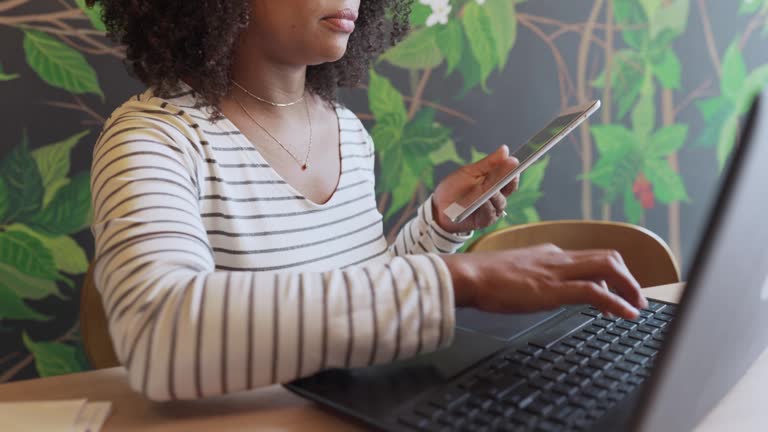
[[94, 327], [647, 256]]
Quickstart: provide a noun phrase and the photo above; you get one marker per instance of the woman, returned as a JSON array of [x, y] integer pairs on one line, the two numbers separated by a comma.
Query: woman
[[237, 235]]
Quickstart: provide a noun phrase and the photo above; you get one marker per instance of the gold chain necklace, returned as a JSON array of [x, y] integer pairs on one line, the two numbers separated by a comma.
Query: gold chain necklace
[[276, 104], [303, 165]]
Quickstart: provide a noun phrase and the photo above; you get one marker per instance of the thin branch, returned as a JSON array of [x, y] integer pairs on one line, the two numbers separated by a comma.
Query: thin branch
[[10, 4], [756, 22], [703, 90], [8, 357], [46, 17], [709, 37], [444, 109], [566, 84], [79, 105], [365, 116], [18, 367], [419, 93]]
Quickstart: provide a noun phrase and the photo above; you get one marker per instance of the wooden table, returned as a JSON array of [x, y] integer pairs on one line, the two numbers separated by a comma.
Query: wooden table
[[276, 409]]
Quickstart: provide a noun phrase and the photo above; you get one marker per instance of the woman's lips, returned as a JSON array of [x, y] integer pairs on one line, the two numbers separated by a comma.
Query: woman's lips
[[342, 21]]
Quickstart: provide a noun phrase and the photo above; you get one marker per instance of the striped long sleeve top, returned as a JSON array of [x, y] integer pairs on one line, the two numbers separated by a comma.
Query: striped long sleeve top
[[217, 276]]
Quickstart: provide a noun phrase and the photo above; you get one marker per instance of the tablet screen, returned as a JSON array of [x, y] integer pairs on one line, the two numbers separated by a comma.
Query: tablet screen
[[531, 149]]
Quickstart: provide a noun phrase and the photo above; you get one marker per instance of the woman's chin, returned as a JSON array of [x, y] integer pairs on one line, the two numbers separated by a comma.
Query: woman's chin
[[331, 51]]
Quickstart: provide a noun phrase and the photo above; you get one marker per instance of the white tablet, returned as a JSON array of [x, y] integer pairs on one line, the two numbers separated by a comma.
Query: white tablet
[[527, 154]]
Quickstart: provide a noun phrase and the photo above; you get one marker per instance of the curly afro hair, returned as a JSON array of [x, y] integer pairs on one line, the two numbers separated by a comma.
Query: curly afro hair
[[195, 39]]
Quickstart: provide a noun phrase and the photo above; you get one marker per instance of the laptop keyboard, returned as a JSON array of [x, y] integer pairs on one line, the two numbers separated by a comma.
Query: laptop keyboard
[[557, 382]]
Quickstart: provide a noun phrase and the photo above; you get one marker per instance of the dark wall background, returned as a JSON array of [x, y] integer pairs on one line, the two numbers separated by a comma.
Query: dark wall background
[[491, 74]]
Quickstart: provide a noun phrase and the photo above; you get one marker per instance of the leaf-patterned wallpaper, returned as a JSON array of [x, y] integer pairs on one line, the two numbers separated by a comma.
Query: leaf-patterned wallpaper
[[675, 77]]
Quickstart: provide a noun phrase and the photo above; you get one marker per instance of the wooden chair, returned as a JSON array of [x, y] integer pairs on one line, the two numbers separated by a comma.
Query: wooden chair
[[93, 327], [647, 256]]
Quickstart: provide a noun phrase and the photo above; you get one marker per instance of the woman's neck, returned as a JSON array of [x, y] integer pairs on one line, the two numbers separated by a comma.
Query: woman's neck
[[265, 77]]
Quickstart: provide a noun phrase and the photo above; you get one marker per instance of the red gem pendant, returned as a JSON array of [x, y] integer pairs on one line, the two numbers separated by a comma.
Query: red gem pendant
[[304, 167]]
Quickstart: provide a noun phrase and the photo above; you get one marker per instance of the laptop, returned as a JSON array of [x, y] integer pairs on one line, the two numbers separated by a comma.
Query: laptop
[[575, 369]]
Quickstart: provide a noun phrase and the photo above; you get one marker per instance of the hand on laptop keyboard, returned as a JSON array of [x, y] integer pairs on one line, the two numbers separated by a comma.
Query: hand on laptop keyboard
[[542, 278]]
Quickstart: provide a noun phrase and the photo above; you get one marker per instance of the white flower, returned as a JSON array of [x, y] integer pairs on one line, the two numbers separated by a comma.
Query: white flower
[[440, 11], [480, 2]]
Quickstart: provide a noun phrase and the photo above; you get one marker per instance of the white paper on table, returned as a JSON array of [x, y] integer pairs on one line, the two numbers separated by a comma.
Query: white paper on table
[[92, 417], [40, 416]]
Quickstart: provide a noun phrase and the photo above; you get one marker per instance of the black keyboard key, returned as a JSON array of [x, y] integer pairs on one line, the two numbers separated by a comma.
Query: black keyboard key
[[629, 342], [610, 356], [547, 426], [526, 372], [483, 419], [598, 344], [539, 364], [638, 335], [605, 383], [616, 395], [562, 348], [627, 325], [647, 352], [565, 389], [530, 350], [608, 338], [562, 414], [576, 359], [595, 330], [617, 331], [550, 356], [553, 375], [594, 392], [588, 352], [643, 372], [517, 357], [541, 383], [638, 359], [594, 313], [413, 420], [616, 374], [566, 367], [549, 337], [653, 344], [589, 372], [626, 366], [450, 399], [553, 398], [479, 402], [583, 402], [636, 380], [663, 316], [584, 336], [576, 381], [655, 306], [626, 387], [523, 418], [620, 349], [574, 342], [600, 364], [656, 323], [645, 313], [645, 328], [539, 407]]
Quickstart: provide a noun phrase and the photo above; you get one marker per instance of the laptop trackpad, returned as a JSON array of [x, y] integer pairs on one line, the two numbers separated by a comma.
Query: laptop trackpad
[[502, 326]]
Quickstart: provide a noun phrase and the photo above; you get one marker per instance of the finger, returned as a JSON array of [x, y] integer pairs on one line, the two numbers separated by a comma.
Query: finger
[[612, 255], [499, 203], [607, 267], [488, 163], [511, 187], [586, 292]]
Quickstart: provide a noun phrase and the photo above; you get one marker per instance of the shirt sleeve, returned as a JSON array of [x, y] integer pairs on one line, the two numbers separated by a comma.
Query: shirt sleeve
[[184, 330]]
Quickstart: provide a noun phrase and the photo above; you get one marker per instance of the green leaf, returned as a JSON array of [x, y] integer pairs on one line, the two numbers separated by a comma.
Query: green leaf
[[727, 139], [59, 65], [93, 14], [53, 159], [403, 191], [668, 186], [668, 69], [446, 153], [734, 72], [672, 18], [477, 26], [419, 14], [644, 116], [470, 71], [523, 199], [633, 210], [630, 14], [5, 76], [620, 159], [27, 254], [715, 111], [451, 43], [53, 358], [13, 307], [417, 51], [53, 189], [533, 176], [650, 6], [667, 141], [28, 287], [68, 256], [749, 7], [755, 83], [69, 211], [386, 101], [627, 77], [3, 199], [613, 139], [477, 155], [503, 20], [423, 134], [392, 164], [23, 183]]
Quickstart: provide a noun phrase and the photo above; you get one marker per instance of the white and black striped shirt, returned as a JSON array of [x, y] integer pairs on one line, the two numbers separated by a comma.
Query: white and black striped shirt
[[218, 276]]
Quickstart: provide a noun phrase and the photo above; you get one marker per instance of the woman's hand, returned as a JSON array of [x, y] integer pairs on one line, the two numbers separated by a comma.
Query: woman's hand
[[542, 278], [471, 176]]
